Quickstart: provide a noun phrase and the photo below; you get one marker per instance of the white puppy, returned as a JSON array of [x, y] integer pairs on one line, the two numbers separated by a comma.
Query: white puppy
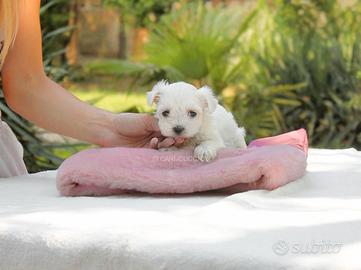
[[194, 114]]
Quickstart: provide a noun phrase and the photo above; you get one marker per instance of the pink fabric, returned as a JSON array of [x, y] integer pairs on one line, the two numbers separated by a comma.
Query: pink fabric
[[297, 138], [267, 164]]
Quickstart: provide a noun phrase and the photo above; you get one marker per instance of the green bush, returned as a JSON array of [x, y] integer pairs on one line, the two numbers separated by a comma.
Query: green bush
[[142, 12], [282, 66], [39, 155], [318, 43], [197, 42]]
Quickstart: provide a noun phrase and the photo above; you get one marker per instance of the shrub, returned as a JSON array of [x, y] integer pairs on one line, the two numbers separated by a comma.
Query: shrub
[[142, 12], [282, 66], [317, 43], [197, 42]]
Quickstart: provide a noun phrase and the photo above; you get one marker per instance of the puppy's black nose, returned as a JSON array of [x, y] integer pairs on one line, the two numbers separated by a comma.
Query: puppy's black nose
[[178, 129]]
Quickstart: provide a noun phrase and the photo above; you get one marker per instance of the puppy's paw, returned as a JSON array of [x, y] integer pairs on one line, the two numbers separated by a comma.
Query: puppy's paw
[[205, 153]]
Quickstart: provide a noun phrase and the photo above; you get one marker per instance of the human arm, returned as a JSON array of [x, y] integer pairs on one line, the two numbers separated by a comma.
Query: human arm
[[29, 92]]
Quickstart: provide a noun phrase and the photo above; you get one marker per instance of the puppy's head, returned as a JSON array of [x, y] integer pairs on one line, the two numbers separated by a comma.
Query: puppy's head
[[181, 108]]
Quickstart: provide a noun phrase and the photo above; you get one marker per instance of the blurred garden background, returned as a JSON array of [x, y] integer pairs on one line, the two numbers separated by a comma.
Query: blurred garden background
[[278, 65]]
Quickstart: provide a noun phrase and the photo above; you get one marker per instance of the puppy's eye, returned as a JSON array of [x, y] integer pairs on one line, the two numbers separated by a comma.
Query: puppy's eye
[[165, 113], [192, 114]]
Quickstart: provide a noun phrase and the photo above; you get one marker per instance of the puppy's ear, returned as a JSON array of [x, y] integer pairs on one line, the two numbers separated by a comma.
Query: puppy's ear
[[207, 98], [153, 96]]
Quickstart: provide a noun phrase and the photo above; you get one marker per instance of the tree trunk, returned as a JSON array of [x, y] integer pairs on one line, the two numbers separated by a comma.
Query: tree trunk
[[72, 49], [139, 38]]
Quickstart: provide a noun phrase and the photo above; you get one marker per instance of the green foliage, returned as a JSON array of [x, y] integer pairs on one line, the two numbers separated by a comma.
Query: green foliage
[[259, 108], [56, 35], [317, 43], [142, 12], [198, 42], [141, 73], [38, 155], [111, 99], [282, 66]]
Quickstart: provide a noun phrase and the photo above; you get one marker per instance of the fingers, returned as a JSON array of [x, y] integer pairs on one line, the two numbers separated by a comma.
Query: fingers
[[167, 142], [156, 143], [153, 143]]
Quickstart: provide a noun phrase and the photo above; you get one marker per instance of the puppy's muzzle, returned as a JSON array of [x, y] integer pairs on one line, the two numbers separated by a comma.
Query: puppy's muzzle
[[178, 129]]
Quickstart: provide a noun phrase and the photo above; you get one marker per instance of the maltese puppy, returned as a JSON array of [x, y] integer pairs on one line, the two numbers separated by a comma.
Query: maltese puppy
[[194, 114]]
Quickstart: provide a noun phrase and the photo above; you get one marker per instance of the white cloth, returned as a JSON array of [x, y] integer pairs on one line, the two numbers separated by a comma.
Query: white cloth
[[11, 153], [312, 223]]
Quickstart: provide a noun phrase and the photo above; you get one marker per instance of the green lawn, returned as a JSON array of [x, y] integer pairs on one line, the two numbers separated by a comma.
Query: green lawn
[[113, 100]]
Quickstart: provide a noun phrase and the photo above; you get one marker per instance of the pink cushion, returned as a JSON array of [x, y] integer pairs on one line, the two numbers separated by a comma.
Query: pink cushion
[[297, 138], [267, 163]]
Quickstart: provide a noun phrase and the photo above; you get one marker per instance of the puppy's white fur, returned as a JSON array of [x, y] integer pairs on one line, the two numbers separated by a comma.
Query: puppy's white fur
[[188, 112]]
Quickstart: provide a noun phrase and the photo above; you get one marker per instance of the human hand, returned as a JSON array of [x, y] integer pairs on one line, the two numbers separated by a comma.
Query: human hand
[[137, 130]]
